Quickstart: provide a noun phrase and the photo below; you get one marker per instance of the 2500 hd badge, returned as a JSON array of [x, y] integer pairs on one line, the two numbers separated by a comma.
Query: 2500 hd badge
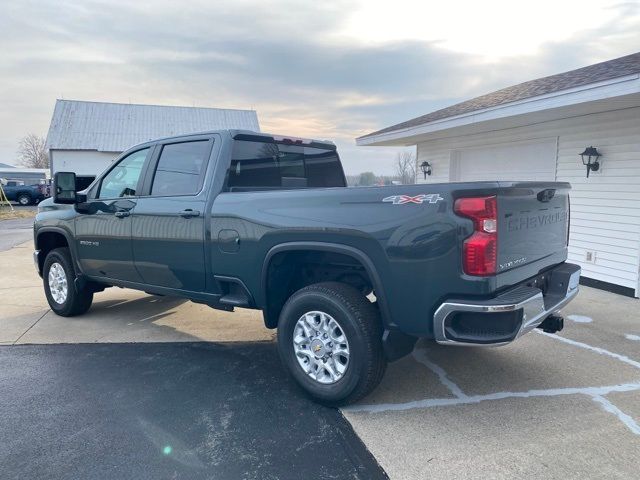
[[513, 263]]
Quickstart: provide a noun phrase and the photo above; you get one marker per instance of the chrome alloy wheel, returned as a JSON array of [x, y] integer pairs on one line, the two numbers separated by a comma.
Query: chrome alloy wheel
[[58, 283], [321, 347]]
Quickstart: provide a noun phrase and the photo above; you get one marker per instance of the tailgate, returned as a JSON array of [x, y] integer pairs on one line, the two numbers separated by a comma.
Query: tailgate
[[533, 222]]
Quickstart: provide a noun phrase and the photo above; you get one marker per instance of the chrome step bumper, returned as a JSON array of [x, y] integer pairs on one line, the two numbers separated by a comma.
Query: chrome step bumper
[[503, 319]]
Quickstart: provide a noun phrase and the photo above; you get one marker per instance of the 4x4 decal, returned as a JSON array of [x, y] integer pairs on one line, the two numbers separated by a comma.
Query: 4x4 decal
[[404, 199]]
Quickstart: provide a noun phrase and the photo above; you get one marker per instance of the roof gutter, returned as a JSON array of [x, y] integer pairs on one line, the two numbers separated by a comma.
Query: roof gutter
[[586, 93]]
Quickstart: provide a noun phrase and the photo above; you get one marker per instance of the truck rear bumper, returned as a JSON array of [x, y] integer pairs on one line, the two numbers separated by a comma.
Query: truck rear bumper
[[503, 319]]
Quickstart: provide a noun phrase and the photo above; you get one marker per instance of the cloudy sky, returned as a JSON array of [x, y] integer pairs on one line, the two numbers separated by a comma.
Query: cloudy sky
[[325, 69]]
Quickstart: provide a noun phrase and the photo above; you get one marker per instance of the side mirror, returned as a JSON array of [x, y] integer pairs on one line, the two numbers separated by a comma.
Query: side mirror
[[64, 190]]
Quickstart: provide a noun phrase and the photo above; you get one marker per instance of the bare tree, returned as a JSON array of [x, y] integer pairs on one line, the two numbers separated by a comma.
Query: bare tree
[[31, 152], [406, 168]]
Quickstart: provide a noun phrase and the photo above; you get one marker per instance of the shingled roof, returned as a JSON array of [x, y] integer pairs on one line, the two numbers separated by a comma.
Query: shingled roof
[[599, 72]]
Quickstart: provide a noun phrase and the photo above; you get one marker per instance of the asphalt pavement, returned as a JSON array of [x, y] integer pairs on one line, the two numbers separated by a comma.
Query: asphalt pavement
[[167, 411]]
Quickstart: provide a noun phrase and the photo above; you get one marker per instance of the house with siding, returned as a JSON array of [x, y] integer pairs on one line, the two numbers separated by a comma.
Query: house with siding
[[85, 137], [536, 131]]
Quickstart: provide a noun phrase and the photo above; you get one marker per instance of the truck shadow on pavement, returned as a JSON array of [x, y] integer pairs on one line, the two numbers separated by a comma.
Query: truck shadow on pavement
[[144, 309], [127, 316]]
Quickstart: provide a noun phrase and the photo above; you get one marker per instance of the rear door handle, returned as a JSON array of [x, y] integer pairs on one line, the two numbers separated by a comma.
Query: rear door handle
[[188, 213], [122, 213]]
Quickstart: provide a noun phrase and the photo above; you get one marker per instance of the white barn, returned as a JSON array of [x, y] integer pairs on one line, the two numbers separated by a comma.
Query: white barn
[[85, 137], [536, 131]]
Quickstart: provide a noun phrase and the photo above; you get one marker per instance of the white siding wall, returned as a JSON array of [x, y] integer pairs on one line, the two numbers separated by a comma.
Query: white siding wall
[[81, 162], [605, 208]]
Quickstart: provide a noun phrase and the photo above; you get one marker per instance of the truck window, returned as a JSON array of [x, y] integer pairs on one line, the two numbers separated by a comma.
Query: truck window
[[323, 168], [264, 165], [180, 169], [122, 180]]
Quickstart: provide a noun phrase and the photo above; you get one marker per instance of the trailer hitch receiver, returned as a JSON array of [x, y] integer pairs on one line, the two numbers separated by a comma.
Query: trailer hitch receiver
[[552, 324]]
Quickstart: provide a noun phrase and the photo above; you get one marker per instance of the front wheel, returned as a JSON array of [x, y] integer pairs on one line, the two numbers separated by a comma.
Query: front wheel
[[59, 277], [330, 340]]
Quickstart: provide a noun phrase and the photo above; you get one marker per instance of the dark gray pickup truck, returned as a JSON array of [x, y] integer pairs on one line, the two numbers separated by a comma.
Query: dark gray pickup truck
[[351, 277]]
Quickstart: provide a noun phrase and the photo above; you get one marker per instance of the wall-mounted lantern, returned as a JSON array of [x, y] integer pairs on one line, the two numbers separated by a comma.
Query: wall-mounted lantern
[[590, 159], [426, 169]]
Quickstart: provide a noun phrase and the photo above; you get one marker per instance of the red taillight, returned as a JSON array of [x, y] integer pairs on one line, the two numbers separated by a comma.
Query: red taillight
[[480, 250], [480, 254]]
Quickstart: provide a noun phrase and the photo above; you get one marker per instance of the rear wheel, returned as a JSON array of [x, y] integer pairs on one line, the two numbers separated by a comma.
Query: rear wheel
[[330, 340], [59, 278], [24, 199]]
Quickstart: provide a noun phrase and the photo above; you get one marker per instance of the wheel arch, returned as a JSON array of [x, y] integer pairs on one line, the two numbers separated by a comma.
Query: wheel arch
[[271, 314], [49, 238]]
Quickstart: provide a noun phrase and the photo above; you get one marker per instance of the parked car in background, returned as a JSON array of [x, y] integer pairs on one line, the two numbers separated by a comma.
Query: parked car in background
[[17, 191], [351, 277]]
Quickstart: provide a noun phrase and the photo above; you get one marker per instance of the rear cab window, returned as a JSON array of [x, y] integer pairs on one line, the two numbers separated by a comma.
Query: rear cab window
[[181, 168], [258, 165]]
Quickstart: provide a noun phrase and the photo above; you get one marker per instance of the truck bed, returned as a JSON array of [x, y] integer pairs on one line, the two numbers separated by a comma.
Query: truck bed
[[410, 233]]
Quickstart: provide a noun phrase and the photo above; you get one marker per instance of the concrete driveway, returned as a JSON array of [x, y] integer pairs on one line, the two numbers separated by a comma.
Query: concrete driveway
[[548, 406], [117, 315]]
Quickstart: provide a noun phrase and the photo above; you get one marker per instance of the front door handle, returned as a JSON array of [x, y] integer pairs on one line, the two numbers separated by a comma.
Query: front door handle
[[122, 213], [188, 213]]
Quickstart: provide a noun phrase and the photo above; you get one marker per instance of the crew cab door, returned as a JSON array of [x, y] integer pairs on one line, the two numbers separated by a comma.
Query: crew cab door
[[103, 228], [169, 219]]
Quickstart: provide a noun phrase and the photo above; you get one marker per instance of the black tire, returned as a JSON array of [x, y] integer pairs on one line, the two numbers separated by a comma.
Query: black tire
[[24, 199], [77, 302], [361, 324]]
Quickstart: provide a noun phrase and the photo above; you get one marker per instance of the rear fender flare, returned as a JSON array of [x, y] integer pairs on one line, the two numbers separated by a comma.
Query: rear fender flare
[[355, 253]]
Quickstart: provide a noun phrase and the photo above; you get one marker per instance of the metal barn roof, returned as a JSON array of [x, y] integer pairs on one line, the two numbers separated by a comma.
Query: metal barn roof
[[114, 127]]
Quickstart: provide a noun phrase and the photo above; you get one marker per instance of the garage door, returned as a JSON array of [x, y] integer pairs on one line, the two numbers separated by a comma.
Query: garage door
[[534, 160]]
